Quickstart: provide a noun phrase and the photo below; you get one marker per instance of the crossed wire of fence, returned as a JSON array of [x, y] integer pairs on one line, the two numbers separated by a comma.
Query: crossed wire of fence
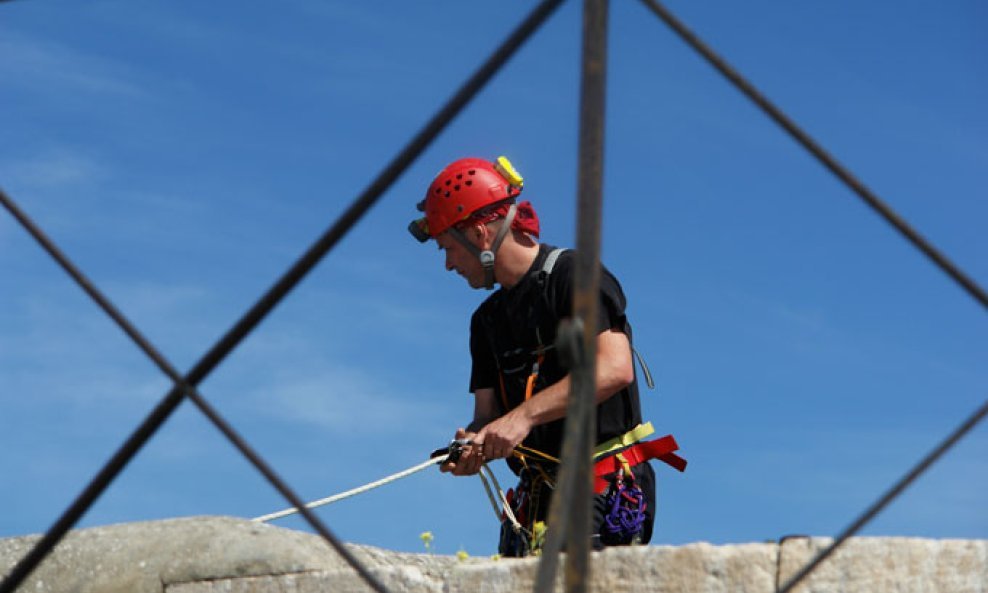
[[589, 200]]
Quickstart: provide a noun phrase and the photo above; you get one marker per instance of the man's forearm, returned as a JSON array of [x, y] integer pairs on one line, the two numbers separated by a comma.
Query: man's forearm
[[477, 423]]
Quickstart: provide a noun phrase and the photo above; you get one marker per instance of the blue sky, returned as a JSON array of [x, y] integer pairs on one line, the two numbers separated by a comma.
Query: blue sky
[[185, 153]]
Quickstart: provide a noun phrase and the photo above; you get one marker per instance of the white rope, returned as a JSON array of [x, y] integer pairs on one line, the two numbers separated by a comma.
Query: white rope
[[498, 504], [355, 491], [504, 500], [490, 493]]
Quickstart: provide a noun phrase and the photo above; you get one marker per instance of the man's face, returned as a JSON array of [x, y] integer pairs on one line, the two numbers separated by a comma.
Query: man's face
[[460, 260]]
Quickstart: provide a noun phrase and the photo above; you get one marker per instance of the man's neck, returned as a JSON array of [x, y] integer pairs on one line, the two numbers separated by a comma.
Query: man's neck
[[514, 260]]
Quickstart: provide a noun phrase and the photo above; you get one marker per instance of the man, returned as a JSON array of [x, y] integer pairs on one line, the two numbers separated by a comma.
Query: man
[[519, 385]]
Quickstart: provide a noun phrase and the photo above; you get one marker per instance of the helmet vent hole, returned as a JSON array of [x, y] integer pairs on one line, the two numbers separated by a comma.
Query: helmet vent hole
[[469, 182], [448, 181], [447, 194], [459, 208], [459, 175], [456, 187], [472, 172]]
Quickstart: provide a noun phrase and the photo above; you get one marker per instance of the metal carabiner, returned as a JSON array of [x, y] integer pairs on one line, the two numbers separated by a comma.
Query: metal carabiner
[[454, 450]]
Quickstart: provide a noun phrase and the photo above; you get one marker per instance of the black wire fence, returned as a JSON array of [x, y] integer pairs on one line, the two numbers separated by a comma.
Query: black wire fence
[[568, 499]]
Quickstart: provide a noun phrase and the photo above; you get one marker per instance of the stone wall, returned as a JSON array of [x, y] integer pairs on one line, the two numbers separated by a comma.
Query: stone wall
[[227, 555]]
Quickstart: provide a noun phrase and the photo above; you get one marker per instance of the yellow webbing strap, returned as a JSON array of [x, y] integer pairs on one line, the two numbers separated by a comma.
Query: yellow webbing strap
[[624, 464], [626, 440], [521, 451]]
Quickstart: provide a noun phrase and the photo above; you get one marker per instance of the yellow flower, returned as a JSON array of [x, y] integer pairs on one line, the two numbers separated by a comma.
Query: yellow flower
[[538, 537], [462, 555], [426, 538]]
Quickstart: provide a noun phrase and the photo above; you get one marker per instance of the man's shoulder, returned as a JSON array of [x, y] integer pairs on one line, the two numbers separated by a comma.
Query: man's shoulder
[[555, 259], [566, 259], [563, 270]]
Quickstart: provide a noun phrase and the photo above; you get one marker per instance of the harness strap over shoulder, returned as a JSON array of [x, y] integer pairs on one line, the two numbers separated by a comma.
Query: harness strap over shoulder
[[548, 264], [550, 260]]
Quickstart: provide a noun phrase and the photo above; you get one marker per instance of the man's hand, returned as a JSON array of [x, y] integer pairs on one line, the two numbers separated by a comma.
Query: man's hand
[[499, 438], [470, 459]]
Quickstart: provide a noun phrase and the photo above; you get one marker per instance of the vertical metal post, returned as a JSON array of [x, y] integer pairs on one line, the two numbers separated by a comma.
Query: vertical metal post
[[570, 516]]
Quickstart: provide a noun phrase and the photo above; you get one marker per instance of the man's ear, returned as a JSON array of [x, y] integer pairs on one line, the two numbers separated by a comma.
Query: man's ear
[[480, 233]]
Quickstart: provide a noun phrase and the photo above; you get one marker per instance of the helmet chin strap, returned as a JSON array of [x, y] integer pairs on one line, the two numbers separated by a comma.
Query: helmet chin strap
[[487, 256]]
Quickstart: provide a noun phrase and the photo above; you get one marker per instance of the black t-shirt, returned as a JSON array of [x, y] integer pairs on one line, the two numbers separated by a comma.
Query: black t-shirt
[[509, 328]]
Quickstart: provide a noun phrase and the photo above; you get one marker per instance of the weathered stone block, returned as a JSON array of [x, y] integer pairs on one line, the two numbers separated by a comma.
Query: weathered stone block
[[893, 564], [226, 555], [143, 557]]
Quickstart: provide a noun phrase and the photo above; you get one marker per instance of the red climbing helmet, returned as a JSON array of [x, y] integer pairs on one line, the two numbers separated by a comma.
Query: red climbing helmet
[[461, 189]]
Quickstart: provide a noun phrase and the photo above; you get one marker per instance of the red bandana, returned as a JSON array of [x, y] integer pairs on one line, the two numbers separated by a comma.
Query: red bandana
[[526, 220]]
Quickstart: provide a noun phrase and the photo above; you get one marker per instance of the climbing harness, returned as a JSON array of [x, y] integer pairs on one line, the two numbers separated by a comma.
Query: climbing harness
[[628, 450], [614, 481], [661, 449]]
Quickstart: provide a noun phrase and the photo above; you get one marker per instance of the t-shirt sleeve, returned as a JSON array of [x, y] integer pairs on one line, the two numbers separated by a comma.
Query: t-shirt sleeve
[[611, 310], [483, 372], [612, 303]]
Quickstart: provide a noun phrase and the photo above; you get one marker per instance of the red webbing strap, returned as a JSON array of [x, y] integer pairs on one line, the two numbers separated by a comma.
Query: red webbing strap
[[661, 449]]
